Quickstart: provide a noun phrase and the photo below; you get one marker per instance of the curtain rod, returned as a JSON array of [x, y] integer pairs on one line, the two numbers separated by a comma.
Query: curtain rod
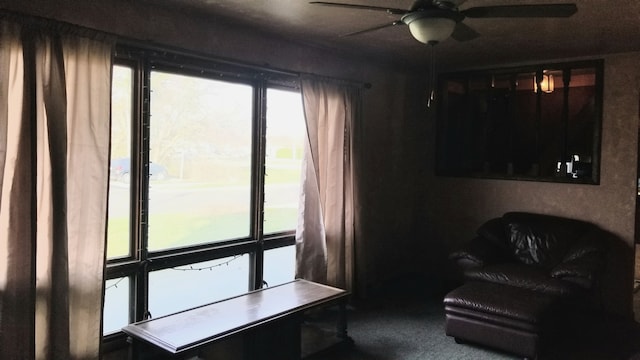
[[148, 46], [42, 23], [172, 50], [151, 46], [364, 85]]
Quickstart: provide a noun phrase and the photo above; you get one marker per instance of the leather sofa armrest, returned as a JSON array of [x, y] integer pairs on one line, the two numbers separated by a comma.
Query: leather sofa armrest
[[478, 253], [583, 262], [591, 242]]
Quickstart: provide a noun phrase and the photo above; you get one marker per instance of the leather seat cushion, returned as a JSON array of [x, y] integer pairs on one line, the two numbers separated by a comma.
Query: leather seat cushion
[[522, 276], [507, 305]]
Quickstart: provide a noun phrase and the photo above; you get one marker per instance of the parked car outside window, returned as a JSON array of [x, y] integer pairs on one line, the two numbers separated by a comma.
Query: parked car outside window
[[120, 169]]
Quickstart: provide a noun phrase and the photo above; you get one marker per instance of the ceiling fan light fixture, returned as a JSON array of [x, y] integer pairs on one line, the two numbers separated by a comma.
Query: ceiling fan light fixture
[[429, 29]]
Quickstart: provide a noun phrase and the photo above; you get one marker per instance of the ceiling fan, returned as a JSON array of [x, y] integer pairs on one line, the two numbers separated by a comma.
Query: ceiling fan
[[432, 21]]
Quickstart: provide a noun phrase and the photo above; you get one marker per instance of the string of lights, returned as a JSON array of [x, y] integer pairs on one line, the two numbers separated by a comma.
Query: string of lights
[[192, 268], [115, 285]]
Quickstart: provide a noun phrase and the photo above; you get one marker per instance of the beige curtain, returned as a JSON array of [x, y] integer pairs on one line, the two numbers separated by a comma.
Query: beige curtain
[[325, 233], [54, 146]]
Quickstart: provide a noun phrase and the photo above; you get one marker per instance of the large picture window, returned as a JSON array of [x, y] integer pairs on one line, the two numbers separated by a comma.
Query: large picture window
[[204, 187]]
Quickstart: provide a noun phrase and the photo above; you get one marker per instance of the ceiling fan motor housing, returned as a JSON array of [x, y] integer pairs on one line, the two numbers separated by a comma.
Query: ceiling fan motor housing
[[433, 25]]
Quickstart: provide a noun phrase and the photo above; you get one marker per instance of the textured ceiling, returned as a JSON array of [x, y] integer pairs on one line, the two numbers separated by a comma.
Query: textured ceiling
[[599, 27]]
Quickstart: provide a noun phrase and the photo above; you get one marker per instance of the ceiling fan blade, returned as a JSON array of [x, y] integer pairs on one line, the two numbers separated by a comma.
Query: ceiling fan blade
[[362, 7], [463, 32], [522, 11], [397, 22]]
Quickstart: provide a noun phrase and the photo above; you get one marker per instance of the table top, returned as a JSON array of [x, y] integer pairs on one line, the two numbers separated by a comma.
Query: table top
[[198, 326]]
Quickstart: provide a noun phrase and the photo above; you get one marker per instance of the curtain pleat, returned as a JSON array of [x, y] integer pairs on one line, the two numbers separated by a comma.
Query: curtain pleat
[[325, 234], [88, 114], [17, 202], [53, 192]]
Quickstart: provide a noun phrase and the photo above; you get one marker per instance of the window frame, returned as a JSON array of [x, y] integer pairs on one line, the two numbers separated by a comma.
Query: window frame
[[140, 262]]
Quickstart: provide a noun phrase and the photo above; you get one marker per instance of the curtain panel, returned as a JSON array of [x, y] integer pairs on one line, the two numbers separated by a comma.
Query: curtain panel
[[325, 235], [55, 87]]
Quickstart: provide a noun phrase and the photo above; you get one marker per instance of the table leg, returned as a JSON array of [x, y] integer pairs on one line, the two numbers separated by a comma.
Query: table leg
[[341, 331], [134, 349]]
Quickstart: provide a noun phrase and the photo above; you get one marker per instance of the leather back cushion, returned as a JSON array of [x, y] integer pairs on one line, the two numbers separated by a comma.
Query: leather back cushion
[[493, 230], [541, 239]]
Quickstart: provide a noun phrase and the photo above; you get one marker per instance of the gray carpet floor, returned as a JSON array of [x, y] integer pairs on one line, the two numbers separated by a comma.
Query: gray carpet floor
[[412, 328]]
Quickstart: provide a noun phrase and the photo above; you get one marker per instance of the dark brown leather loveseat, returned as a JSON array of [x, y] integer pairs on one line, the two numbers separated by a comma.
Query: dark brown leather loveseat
[[519, 272]]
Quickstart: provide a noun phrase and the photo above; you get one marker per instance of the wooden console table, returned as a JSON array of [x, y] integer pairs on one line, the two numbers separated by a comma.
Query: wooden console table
[[182, 334]]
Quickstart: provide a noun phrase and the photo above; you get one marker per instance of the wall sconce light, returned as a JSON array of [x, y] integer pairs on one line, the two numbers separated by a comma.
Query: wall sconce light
[[546, 85]]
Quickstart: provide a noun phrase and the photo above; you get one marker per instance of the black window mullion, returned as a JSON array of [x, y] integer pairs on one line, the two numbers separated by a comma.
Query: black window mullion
[[139, 176], [512, 118], [257, 189], [566, 80], [538, 121]]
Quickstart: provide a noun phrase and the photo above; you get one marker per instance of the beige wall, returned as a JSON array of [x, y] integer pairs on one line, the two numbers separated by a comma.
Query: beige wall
[[410, 218]]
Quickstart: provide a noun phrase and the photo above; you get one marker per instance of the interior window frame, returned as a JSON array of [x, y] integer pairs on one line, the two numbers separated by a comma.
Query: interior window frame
[[486, 77]]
